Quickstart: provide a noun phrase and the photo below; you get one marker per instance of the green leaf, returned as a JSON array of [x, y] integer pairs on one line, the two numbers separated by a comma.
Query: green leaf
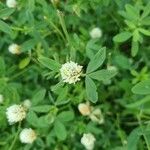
[[130, 24], [66, 116], [145, 32], [38, 97], [28, 45], [134, 48], [146, 11], [146, 21], [57, 87], [60, 130], [103, 75], [132, 12], [6, 12], [24, 62], [31, 5], [43, 122], [142, 88], [41, 109], [62, 94], [122, 61], [122, 37], [97, 60], [49, 63], [92, 47], [136, 35], [91, 90], [5, 27], [133, 139], [138, 102], [32, 118]]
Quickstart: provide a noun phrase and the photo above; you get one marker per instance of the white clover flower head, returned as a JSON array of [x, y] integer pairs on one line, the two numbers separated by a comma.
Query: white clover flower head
[[113, 68], [27, 136], [1, 98], [15, 113], [97, 116], [70, 72], [96, 33], [88, 141], [11, 3], [14, 48], [27, 104], [84, 109]]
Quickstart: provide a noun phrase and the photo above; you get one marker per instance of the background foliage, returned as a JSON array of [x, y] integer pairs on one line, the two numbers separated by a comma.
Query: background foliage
[[49, 38]]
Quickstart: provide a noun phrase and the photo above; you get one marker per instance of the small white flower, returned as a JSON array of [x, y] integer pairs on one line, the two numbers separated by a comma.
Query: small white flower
[[14, 49], [96, 33], [97, 116], [11, 3], [27, 136], [27, 104], [88, 141], [84, 109], [112, 68], [15, 113], [1, 98], [70, 72]]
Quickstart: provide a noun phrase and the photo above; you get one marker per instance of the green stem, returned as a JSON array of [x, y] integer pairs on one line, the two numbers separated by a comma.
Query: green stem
[[18, 74], [15, 138], [62, 22], [55, 27], [120, 132], [141, 126]]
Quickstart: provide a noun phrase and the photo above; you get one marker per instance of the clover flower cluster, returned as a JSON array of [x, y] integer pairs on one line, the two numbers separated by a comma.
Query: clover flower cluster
[[71, 72], [17, 113]]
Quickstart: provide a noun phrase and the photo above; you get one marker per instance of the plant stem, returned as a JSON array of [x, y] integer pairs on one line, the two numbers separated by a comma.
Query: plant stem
[[15, 138], [55, 27], [62, 22], [144, 136], [120, 131], [18, 74]]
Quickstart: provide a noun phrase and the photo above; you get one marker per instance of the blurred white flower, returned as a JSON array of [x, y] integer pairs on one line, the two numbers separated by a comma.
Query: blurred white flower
[[14, 48], [15, 113], [97, 116], [113, 68], [96, 33], [88, 141], [1, 98], [27, 103], [84, 109], [27, 136], [70, 72], [11, 3]]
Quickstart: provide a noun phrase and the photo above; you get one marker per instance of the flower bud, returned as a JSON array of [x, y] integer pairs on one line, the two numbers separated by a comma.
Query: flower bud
[[84, 109]]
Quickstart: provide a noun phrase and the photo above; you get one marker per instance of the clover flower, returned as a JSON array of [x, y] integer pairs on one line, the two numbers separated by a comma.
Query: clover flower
[[27, 104], [84, 109], [15, 113], [97, 116], [11, 3], [96, 33], [70, 72], [88, 141], [27, 136], [14, 49]]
